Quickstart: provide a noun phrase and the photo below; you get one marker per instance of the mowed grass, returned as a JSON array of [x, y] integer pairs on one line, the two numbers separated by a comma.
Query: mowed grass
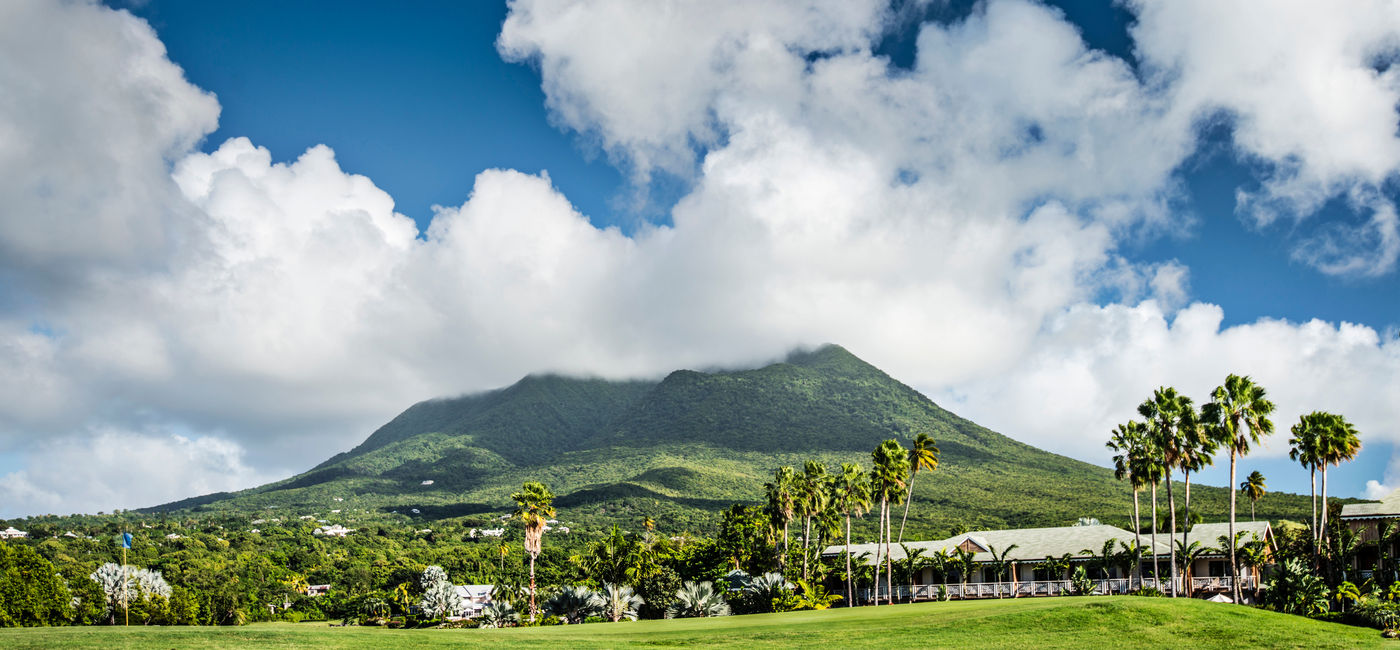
[[1066, 622]]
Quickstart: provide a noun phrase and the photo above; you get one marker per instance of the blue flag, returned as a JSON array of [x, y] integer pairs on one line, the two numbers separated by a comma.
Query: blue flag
[[125, 540]]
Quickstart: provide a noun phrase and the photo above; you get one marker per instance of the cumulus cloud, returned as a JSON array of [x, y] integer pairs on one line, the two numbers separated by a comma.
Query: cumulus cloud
[[111, 468], [1311, 95], [93, 112], [957, 224], [1092, 365]]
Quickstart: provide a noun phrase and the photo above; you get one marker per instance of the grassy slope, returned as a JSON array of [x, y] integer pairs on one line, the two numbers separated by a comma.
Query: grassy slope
[[1039, 623], [681, 449]]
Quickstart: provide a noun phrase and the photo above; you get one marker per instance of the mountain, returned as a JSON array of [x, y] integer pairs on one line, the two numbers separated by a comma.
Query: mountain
[[682, 449]]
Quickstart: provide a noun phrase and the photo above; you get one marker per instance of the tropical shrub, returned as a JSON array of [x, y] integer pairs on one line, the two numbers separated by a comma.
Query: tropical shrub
[[573, 604], [814, 596], [620, 602], [498, 613], [697, 599], [1079, 582], [1295, 590], [1376, 613]]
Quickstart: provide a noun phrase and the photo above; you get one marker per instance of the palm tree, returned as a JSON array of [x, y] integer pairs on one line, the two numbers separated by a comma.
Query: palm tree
[[850, 496], [999, 564], [1129, 556], [1197, 451], [620, 602], [1127, 440], [922, 455], [915, 559], [503, 549], [782, 505], [1303, 448], [1239, 415], [1253, 487], [1103, 558], [534, 504], [963, 560], [887, 480], [1168, 414], [1185, 556], [812, 497], [1338, 441], [1151, 468]]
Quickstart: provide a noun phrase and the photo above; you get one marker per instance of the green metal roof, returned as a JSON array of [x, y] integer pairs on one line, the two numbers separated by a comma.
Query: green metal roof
[[1389, 506]]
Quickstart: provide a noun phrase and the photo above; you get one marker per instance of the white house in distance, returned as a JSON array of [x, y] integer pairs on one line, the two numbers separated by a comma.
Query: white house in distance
[[333, 530], [487, 532], [12, 533], [474, 598]]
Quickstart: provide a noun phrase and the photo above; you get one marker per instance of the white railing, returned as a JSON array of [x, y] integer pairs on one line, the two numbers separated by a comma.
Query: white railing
[[1221, 583], [1031, 588]]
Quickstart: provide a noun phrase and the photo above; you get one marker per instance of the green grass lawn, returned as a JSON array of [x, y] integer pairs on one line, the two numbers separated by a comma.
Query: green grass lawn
[[1094, 622]]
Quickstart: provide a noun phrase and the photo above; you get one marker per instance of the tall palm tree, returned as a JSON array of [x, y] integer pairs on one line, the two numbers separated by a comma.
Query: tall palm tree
[[1239, 415], [811, 501], [1168, 414], [782, 505], [1127, 440], [1150, 467], [1337, 442], [1303, 448], [922, 455], [1253, 487], [1185, 557], [534, 504], [888, 477], [1198, 449], [850, 496]]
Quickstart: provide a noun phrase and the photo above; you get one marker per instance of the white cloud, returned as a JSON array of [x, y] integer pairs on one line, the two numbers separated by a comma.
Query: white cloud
[[952, 224], [108, 469], [1301, 82], [92, 112], [1092, 365]]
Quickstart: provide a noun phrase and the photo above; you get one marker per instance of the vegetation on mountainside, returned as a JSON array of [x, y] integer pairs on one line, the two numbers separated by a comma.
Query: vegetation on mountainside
[[683, 449]]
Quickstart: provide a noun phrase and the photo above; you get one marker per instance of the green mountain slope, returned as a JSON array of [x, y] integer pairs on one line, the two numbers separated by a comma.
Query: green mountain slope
[[681, 449]]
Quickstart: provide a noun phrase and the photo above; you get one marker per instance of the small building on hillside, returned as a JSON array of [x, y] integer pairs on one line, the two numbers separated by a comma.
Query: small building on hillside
[[12, 533], [317, 590], [474, 598], [333, 530]]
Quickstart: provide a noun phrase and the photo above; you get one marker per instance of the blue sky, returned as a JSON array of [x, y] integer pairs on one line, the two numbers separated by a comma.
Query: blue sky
[[1109, 244]]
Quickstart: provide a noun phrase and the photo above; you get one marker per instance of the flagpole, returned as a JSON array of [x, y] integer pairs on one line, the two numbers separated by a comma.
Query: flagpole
[[126, 611]]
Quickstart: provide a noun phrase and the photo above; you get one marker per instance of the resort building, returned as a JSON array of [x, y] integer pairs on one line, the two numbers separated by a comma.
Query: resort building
[[1369, 521], [12, 533], [1040, 561], [474, 598]]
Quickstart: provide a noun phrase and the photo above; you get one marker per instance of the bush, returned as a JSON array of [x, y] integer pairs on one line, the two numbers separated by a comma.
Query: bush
[[1295, 590], [1376, 613], [1150, 592]]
